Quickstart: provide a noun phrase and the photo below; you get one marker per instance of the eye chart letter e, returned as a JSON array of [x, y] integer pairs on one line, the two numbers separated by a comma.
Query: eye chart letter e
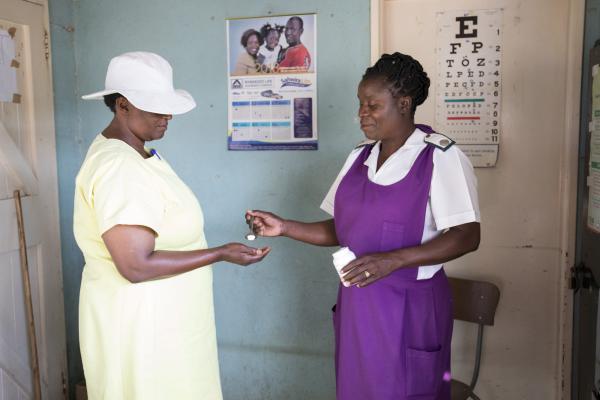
[[468, 85]]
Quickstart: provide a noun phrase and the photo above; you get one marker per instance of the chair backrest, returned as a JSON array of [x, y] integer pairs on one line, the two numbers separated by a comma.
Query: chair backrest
[[474, 301]]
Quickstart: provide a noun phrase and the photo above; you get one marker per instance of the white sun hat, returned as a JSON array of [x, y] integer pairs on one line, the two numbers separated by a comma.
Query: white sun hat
[[146, 80]]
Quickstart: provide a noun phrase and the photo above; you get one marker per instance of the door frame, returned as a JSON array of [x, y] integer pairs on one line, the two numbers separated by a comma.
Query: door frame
[[568, 193]]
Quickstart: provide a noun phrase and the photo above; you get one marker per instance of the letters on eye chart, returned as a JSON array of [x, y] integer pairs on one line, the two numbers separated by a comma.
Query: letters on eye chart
[[468, 90]]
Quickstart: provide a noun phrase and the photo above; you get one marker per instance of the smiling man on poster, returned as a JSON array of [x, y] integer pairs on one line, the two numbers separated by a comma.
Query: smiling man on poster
[[295, 58]]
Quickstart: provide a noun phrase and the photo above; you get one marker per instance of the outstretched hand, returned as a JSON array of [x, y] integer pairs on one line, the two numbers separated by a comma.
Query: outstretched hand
[[264, 223], [241, 254]]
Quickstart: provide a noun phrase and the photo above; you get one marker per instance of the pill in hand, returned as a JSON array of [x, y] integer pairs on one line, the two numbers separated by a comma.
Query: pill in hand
[[250, 235]]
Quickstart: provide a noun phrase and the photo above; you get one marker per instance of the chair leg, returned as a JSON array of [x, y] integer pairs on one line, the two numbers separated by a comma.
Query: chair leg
[[474, 396]]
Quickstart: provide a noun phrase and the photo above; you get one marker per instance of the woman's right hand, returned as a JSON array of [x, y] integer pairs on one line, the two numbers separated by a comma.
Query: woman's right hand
[[265, 223], [241, 254]]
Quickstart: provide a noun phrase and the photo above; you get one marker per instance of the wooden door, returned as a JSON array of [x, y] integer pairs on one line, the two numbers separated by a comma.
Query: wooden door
[[28, 163]]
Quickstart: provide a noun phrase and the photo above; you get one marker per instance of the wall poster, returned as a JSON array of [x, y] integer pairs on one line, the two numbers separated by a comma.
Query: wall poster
[[272, 94], [468, 89], [593, 179]]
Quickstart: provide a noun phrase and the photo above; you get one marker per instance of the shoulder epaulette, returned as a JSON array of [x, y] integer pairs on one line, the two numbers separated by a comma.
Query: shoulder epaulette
[[364, 143], [440, 141]]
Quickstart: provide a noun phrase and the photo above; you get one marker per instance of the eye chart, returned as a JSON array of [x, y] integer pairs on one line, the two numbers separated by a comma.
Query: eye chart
[[468, 89]]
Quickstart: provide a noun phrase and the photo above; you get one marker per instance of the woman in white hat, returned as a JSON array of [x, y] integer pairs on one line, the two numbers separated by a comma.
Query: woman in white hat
[[146, 319]]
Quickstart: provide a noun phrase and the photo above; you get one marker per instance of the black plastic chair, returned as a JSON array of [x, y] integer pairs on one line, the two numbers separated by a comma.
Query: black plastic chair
[[476, 302]]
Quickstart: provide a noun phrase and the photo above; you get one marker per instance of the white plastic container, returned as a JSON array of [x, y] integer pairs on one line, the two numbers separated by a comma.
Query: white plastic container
[[341, 258]]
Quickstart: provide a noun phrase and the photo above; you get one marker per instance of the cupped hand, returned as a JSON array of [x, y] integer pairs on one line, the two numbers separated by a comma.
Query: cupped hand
[[241, 254], [369, 268], [264, 223]]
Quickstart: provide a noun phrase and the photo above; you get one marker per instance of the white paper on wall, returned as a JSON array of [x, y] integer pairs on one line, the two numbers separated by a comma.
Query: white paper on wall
[[272, 96], [468, 91], [8, 72], [593, 180]]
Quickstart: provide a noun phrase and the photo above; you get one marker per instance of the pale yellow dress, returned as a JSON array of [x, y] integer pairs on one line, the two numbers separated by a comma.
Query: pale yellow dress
[[150, 340]]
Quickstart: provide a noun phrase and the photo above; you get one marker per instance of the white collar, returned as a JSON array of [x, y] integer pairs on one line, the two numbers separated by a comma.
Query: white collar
[[415, 139]]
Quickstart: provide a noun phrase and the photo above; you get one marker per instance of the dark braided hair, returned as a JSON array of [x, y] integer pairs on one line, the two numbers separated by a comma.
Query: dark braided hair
[[404, 75]]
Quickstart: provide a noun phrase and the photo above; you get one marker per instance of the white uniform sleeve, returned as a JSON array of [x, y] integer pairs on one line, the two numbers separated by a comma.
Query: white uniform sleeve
[[453, 189], [328, 202]]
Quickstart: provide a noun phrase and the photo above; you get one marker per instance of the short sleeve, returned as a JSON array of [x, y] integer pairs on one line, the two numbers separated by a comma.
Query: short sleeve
[[123, 194], [328, 202], [453, 195]]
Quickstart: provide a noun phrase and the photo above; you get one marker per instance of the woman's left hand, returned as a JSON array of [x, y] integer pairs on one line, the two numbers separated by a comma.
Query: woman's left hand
[[369, 268]]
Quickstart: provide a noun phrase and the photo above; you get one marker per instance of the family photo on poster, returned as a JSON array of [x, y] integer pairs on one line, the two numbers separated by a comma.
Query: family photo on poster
[[271, 45]]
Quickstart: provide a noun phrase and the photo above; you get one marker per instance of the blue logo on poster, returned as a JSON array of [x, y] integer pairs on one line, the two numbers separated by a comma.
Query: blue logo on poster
[[295, 82]]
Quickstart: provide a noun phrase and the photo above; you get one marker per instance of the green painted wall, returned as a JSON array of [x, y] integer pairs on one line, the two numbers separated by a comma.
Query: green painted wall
[[273, 319]]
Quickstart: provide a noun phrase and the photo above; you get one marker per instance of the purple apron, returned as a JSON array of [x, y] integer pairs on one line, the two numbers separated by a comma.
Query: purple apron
[[392, 337]]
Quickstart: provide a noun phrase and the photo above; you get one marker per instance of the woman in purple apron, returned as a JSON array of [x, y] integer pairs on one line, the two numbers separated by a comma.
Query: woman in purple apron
[[404, 203]]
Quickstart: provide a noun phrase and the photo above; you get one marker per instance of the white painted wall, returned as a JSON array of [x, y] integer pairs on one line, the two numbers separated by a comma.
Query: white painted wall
[[527, 201]]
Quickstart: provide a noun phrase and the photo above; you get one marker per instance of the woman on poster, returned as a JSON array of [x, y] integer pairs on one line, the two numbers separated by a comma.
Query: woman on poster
[[248, 62]]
